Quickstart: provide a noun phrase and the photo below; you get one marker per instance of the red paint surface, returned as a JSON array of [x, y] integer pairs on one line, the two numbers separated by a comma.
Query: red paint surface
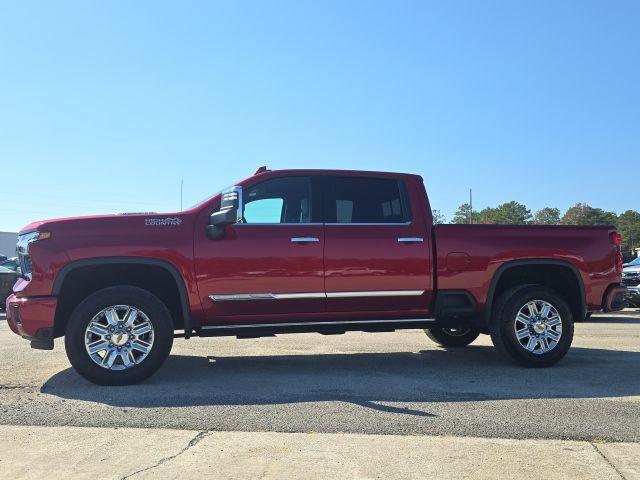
[[35, 313]]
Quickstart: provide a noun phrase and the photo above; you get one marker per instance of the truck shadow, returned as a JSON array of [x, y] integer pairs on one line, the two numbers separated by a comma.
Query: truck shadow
[[475, 373]]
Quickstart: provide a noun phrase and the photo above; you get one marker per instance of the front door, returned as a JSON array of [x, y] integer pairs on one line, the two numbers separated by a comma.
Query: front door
[[271, 262], [376, 249]]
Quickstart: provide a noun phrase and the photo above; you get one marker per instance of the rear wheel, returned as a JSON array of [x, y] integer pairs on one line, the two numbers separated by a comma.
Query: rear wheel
[[452, 337], [119, 336], [532, 325]]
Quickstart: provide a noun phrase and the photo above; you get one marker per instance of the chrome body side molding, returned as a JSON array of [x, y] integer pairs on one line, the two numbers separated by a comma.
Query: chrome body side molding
[[307, 295]]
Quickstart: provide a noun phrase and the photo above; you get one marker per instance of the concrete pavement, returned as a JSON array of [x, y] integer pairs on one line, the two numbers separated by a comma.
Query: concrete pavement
[[123, 453]]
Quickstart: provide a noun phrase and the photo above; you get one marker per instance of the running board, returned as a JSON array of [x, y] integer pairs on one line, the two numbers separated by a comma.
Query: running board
[[327, 328]]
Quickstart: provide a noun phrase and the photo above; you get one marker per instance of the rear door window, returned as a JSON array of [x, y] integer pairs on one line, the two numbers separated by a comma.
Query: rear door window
[[365, 200]]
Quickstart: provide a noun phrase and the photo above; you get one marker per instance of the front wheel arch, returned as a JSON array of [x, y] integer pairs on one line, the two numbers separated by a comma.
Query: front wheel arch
[[80, 278]]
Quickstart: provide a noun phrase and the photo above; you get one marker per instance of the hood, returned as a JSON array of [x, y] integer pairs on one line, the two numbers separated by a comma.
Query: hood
[[109, 225]]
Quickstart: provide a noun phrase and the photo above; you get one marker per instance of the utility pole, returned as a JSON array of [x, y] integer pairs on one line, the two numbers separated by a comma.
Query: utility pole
[[470, 205], [181, 183]]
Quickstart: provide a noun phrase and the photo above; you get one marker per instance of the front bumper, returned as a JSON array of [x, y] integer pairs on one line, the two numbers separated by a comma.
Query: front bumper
[[614, 298], [33, 319]]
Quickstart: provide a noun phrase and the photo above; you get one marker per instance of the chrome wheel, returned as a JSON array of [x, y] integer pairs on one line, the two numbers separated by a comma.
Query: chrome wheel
[[119, 337], [538, 327]]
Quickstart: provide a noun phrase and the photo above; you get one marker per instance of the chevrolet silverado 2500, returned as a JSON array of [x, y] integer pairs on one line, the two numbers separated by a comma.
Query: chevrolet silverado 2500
[[304, 251]]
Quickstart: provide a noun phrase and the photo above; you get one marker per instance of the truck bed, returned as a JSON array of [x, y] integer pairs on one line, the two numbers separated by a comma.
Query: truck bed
[[469, 256]]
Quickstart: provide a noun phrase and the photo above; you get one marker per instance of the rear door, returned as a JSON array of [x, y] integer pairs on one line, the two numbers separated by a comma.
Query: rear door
[[376, 248], [271, 262]]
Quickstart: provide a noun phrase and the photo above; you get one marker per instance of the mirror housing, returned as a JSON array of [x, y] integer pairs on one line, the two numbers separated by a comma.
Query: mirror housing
[[230, 212], [223, 217]]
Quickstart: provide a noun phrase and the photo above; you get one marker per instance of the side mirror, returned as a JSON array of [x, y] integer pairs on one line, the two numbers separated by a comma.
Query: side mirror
[[230, 212]]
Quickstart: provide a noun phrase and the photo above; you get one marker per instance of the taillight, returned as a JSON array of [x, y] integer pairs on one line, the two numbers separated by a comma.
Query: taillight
[[616, 239]]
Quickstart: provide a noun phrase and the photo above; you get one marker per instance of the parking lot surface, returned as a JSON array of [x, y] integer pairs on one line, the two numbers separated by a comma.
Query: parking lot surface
[[382, 383]]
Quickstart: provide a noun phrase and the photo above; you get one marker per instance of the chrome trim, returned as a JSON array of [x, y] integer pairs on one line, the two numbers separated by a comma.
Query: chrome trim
[[381, 224], [240, 212], [265, 296], [278, 224], [305, 295], [319, 224], [305, 239], [410, 240], [376, 293], [296, 324]]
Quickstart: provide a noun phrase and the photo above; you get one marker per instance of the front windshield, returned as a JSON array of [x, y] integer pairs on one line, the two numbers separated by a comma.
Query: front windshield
[[633, 263]]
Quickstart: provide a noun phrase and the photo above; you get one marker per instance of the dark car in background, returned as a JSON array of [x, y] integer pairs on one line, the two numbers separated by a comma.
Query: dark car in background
[[7, 279]]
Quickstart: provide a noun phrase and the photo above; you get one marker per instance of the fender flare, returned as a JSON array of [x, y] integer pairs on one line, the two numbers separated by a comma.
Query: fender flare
[[97, 261], [532, 261]]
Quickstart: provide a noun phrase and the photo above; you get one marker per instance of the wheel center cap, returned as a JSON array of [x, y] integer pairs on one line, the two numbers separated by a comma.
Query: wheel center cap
[[120, 338], [539, 327]]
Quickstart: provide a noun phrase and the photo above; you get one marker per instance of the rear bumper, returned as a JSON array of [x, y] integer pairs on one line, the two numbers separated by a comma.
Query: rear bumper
[[33, 319], [614, 298]]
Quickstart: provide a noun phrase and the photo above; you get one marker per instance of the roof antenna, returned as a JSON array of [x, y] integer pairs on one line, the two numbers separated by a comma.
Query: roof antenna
[[261, 170]]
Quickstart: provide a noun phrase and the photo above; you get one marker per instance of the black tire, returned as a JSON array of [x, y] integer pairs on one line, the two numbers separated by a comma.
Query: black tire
[[503, 333], [452, 337], [149, 304]]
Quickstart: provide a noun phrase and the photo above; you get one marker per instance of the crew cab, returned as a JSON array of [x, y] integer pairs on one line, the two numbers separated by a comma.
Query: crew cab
[[304, 251]]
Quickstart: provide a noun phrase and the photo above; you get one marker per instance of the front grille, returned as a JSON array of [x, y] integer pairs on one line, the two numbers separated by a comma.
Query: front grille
[[25, 265], [631, 281]]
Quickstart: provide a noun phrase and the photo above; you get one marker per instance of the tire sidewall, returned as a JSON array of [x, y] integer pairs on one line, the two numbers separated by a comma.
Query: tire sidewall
[[82, 315], [508, 334]]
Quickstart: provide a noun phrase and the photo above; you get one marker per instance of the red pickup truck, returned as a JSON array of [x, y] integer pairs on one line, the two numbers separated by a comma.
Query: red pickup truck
[[304, 251]]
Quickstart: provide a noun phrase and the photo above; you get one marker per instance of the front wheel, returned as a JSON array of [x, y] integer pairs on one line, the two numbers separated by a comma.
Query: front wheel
[[532, 325], [119, 336], [452, 337]]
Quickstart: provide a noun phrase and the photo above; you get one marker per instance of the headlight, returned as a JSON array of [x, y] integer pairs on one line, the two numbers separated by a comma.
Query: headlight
[[27, 239]]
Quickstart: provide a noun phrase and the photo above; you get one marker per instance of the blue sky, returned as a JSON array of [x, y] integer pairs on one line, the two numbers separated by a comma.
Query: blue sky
[[106, 106]]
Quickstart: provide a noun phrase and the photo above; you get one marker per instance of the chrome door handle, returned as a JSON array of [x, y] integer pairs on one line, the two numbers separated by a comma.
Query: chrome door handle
[[304, 239], [410, 240]]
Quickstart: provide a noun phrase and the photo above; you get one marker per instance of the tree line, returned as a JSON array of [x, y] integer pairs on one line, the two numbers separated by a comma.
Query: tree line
[[514, 213]]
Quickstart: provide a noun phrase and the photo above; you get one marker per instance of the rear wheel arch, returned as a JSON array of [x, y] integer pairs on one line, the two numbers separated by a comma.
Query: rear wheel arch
[[560, 275], [80, 278]]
